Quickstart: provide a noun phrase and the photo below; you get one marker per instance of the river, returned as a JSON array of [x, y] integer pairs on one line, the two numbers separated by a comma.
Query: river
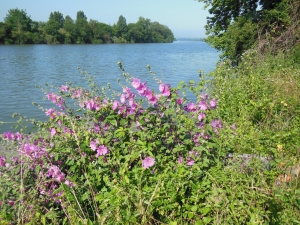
[[24, 66]]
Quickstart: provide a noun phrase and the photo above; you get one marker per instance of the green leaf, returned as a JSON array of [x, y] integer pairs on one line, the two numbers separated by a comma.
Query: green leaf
[[194, 208], [190, 215], [43, 220], [205, 210], [126, 179]]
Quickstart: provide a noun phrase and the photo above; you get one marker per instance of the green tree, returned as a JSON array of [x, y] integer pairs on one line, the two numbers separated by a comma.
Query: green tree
[[51, 29], [101, 32], [69, 27], [19, 23], [82, 29], [228, 18], [122, 27], [144, 27], [5, 37], [57, 16], [134, 35], [161, 33]]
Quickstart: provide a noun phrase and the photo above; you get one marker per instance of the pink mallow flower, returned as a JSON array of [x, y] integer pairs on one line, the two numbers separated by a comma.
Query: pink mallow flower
[[148, 162], [2, 161], [94, 144], [64, 88], [201, 116], [142, 89], [101, 150], [202, 105], [115, 105], [136, 83], [179, 101], [58, 100], [190, 107], [92, 105], [9, 135], [180, 160], [165, 89], [213, 103], [190, 162], [216, 123], [55, 173], [52, 131]]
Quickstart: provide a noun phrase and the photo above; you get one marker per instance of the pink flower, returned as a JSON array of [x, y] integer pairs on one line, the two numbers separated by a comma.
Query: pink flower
[[148, 162], [96, 128], [142, 88], [2, 161], [132, 104], [69, 183], [9, 135], [55, 99], [190, 162], [153, 99], [179, 101], [180, 160], [93, 144], [213, 104], [191, 107], [101, 150], [10, 202], [201, 116], [76, 93], [136, 83], [233, 126], [64, 88], [55, 173], [92, 105], [52, 131], [122, 98], [202, 105], [204, 96], [53, 113], [115, 105], [216, 123], [165, 89]]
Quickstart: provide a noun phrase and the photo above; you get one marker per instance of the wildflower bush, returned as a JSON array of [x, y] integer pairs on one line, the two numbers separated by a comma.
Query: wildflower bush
[[125, 160], [140, 157]]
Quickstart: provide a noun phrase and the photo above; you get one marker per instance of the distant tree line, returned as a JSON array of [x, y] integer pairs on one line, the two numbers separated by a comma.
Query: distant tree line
[[19, 28]]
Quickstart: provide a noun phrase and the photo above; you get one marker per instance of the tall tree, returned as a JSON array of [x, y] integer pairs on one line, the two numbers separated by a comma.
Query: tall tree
[[122, 26], [82, 29], [233, 24], [52, 28], [69, 27], [81, 15], [144, 26], [20, 23], [57, 16], [4, 33]]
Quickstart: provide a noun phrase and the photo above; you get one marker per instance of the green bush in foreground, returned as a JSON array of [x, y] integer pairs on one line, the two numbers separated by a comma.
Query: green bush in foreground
[[122, 162]]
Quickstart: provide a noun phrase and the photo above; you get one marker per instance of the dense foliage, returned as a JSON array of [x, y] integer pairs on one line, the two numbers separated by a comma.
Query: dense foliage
[[235, 26], [19, 28]]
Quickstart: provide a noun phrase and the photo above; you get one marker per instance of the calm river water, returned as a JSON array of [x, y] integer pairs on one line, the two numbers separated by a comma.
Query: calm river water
[[24, 66]]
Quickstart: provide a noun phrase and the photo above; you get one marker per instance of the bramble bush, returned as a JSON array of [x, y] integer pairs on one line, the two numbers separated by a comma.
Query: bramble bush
[[140, 157]]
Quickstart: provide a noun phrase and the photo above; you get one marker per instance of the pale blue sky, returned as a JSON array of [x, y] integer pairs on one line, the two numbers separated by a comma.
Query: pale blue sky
[[186, 18]]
